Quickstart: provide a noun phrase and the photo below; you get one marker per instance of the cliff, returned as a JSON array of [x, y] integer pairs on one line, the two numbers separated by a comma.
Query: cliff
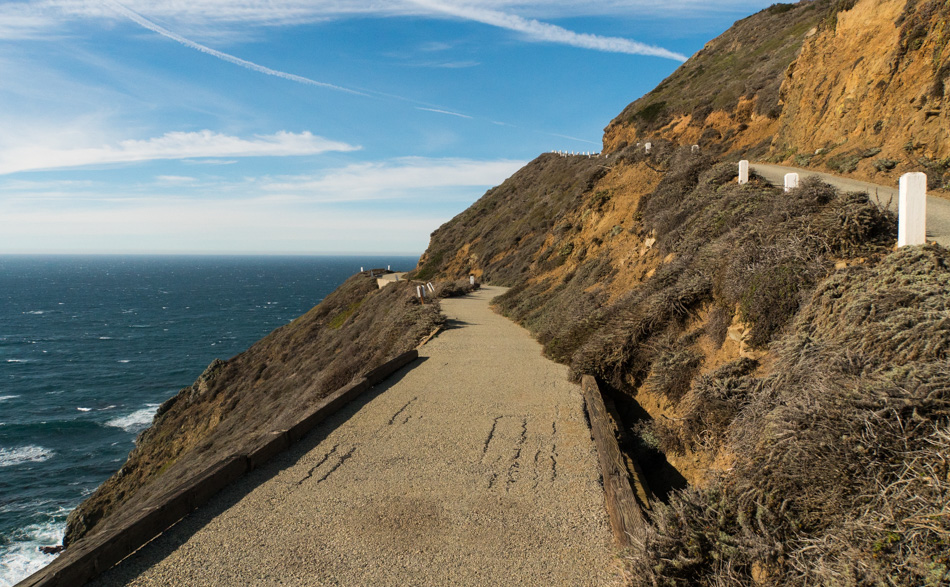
[[856, 88], [234, 403], [781, 370]]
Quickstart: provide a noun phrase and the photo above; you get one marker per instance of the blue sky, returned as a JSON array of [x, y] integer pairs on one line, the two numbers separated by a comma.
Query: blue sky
[[292, 126]]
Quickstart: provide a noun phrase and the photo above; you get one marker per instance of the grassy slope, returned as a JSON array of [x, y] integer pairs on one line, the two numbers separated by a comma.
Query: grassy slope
[[235, 402]]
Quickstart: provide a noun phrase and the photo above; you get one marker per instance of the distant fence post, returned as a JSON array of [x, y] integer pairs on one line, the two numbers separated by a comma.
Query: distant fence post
[[912, 210], [648, 147], [471, 280], [695, 148], [791, 181], [743, 172]]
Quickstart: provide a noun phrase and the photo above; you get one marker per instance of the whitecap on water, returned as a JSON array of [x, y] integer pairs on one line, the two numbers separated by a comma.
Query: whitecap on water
[[137, 420], [123, 360], [4, 398], [21, 556], [84, 409], [10, 457]]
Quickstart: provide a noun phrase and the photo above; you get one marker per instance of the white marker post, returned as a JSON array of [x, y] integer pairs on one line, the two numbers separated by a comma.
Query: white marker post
[[431, 288], [912, 210], [471, 279], [791, 181], [743, 172], [648, 147], [361, 269], [695, 148]]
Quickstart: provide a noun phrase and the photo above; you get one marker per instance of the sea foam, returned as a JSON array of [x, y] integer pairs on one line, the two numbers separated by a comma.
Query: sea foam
[[10, 457], [21, 557], [137, 420]]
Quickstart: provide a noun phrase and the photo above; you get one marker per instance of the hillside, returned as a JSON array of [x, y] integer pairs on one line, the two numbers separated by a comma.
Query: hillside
[[782, 370], [852, 87]]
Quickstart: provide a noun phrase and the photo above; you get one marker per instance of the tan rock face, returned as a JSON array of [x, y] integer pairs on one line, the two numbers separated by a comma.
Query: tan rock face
[[868, 83]]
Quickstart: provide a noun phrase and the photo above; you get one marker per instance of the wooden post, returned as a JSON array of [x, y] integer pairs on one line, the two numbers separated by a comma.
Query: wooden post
[[791, 181], [912, 210], [626, 519], [743, 172]]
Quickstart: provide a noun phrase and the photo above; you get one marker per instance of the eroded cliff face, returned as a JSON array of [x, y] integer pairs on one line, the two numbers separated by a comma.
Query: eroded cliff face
[[867, 95], [855, 87]]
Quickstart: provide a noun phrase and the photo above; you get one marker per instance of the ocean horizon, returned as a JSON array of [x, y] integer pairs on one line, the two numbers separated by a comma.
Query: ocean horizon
[[91, 345]]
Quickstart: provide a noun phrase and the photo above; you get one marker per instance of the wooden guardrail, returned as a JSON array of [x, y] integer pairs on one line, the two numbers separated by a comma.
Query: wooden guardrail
[[99, 552], [627, 521]]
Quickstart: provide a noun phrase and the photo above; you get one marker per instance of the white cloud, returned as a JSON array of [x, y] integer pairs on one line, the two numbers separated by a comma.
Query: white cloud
[[172, 145], [541, 31], [401, 178]]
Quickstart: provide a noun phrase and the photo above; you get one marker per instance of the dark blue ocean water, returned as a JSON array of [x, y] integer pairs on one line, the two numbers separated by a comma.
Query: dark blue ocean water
[[91, 345]]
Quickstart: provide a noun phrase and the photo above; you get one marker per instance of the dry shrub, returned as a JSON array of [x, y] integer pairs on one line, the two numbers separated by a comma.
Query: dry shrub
[[842, 453], [451, 289]]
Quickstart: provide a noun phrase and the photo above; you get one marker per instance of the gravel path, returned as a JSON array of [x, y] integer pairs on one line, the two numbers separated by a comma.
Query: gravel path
[[474, 467], [938, 209]]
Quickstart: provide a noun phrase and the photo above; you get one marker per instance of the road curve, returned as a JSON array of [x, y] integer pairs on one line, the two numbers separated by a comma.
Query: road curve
[[938, 209], [473, 467]]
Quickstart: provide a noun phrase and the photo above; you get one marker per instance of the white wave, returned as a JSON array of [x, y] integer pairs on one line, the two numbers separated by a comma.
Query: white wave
[[6, 397], [36, 312], [84, 409], [24, 454], [137, 420], [17, 361], [105, 338], [109, 407], [21, 557], [123, 360]]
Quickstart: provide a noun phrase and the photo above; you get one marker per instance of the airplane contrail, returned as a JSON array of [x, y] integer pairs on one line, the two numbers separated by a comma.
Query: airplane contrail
[[144, 22]]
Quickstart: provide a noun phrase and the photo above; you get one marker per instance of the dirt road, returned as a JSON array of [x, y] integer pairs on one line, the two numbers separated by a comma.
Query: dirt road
[[938, 209], [474, 467]]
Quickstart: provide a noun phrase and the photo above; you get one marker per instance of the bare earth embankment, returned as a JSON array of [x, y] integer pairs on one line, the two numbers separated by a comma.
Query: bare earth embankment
[[475, 467]]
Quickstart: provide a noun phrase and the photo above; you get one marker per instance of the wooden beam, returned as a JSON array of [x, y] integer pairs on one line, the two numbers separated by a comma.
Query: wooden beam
[[626, 519]]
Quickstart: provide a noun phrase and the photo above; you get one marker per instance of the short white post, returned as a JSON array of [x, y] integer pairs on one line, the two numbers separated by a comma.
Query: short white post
[[695, 148], [429, 285], [791, 181], [389, 267], [361, 269], [912, 210], [471, 280], [648, 147], [743, 172]]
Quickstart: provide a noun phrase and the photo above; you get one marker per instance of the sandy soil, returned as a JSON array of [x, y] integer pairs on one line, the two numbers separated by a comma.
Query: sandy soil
[[473, 467]]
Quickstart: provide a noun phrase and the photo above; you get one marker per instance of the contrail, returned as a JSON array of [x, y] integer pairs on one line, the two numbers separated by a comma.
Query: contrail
[[543, 31], [436, 110], [144, 22]]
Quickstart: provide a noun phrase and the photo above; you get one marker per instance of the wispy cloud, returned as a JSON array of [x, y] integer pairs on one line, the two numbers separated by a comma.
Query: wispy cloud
[[542, 31], [437, 111], [144, 22], [398, 178], [173, 145]]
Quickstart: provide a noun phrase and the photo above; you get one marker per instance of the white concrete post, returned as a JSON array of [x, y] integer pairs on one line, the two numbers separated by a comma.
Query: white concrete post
[[791, 181], [648, 147], [912, 210], [471, 279], [743, 172], [361, 269], [389, 267], [695, 148], [429, 285]]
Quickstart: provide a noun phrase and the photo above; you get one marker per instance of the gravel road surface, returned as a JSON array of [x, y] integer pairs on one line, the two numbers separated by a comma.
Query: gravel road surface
[[474, 466], [938, 209]]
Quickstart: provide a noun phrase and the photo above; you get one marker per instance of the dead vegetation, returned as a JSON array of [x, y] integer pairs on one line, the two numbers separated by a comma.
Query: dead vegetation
[[842, 468]]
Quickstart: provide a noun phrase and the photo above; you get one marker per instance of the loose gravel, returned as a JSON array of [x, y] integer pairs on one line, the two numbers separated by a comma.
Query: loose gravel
[[474, 466]]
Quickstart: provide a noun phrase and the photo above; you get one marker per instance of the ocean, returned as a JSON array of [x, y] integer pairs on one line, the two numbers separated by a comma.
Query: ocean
[[91, 345]]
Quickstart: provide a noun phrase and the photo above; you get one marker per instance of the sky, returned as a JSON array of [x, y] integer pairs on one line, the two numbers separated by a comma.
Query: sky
[[305, 127]]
